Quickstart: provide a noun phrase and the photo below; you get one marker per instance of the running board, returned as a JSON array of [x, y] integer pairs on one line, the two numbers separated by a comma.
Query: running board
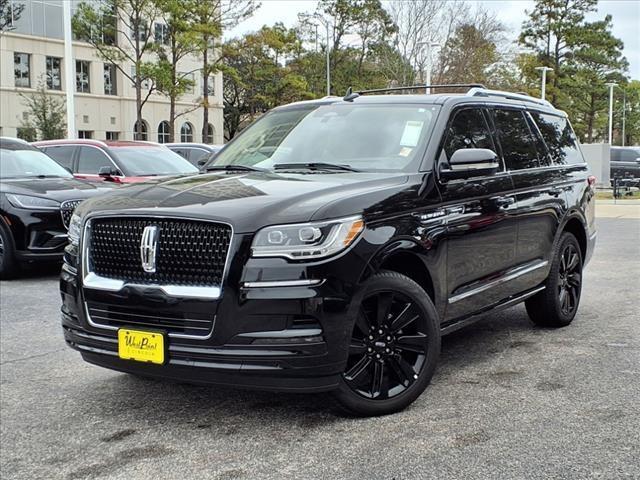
[[456, 324]]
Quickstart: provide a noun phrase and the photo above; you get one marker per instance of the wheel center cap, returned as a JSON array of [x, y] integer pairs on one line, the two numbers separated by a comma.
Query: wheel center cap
[[380, 344]]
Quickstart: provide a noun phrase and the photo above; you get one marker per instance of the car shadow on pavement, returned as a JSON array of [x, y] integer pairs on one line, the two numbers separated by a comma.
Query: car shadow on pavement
[[225, 409]]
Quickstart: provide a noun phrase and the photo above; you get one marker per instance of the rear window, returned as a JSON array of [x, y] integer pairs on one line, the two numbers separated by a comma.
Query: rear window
[[152, 160], [625, 154], [62, 154], [559, 137]]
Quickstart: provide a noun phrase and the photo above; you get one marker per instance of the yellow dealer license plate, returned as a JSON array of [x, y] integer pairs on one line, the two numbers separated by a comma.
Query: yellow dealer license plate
[[141, 346]]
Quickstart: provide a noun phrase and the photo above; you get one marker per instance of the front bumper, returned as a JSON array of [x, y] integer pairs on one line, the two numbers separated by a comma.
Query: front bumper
[[292, 338], [38, 235]]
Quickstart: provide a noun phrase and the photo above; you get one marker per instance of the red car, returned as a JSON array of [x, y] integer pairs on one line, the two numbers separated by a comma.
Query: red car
[[116, 161]]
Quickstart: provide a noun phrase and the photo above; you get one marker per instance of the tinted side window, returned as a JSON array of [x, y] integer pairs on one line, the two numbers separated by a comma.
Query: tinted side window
[[626, 155], [197, 155], [63, 155], [183, 152], [516, 139], [91, 160], [559, 137], [468, 129]]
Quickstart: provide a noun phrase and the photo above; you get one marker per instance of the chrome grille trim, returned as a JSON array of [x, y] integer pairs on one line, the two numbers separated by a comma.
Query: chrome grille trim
[[94, 281], [66, 211]]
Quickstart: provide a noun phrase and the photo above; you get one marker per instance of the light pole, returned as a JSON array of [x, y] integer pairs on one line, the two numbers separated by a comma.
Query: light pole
[[430, 47], [624, 113], [68, 71], [325, 22], [611, 86], [543, 88]]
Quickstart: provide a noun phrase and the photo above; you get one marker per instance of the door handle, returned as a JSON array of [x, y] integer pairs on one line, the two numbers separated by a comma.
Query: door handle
[[504, 202], [555, 191]]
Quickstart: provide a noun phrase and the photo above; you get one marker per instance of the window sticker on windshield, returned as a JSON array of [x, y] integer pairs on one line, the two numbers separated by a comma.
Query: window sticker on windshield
[[405, 151], [411, 134]]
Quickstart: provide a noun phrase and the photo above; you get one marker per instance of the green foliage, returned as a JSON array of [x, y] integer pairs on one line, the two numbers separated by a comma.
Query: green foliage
[[46, 115], [9, 12]]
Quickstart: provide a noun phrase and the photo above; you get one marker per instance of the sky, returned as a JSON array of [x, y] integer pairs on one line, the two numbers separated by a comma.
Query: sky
[[625, 13]]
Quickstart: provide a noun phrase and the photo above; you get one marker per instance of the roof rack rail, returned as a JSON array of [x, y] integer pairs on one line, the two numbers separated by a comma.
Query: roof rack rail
[[485, 92], [422, 87]]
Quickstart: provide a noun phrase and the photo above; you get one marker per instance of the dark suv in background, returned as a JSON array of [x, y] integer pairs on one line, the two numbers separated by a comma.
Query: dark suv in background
[[37, 199], [625, 165], [333, 243]]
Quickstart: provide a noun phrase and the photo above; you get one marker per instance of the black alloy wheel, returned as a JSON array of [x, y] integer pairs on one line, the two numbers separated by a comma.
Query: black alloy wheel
[[7, 257], [569, 280], [388, 346], [557, 304], [393, 348]]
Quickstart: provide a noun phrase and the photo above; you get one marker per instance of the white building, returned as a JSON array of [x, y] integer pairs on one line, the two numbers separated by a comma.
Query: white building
[[32, 52]]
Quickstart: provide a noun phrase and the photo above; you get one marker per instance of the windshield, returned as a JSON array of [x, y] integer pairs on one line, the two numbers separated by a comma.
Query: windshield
[[152, 160], [29, 163], [363, 137]]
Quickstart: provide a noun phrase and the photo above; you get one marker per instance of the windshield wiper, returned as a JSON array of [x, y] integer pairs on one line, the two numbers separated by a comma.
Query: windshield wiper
[[231, 168], [315, 166]]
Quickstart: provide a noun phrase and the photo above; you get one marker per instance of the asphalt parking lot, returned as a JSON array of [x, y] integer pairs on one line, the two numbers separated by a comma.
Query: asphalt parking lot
[[508, 401]]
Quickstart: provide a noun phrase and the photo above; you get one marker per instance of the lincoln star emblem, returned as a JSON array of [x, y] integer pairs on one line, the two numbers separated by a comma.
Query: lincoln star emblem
[[148, 248]]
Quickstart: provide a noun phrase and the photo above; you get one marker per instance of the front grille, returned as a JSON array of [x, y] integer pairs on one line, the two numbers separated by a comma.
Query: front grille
[[66, 210], [189, 253], [187, 323]]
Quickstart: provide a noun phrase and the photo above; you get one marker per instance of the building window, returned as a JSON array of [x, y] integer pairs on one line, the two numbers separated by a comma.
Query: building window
[[186, 132], [142, 134], [192, 81], [110, 79], [163, 132], [85, 134], [112, 136], [161, 33], [54, 77], [211, 83], [139, 27], [22, 69], [209, 137], [82, 76], [145, 82]]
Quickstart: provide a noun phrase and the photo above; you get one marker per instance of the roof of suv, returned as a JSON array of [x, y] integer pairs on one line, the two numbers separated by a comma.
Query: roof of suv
[[96, 143], [474, 95]]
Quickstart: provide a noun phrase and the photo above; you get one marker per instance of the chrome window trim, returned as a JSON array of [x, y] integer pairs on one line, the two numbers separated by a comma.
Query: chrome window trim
[[96, 282]]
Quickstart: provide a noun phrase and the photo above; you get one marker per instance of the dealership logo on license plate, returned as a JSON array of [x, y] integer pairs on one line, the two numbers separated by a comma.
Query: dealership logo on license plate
[[141, 346]]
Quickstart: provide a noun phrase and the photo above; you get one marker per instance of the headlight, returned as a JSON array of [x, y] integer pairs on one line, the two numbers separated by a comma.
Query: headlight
[[37, 203], [75, 226], [307, 240]]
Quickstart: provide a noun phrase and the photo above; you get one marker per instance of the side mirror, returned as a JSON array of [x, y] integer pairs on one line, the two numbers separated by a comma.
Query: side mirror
[[202, 162], [471, 162], [107, 172]]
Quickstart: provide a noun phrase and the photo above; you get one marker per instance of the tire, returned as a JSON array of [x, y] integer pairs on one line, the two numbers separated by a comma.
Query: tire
[[387, 371], [557, 304], [7, 254]]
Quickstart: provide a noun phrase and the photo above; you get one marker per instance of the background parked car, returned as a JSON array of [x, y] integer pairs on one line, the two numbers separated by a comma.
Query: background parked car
[[625, 165], [197, 153], [37, 199], [116, 161]]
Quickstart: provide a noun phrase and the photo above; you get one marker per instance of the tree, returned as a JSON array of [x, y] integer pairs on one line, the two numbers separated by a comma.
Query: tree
[[551, 32], [46, 114], [121, 33], [257, 76], [364, 22], [9, 13], [469, 55], [175, 40], [595, 60], [211, 18], [631, 91]]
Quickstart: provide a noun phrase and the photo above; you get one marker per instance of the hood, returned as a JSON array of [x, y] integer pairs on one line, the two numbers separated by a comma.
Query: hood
[[252, 200], [59, 189]]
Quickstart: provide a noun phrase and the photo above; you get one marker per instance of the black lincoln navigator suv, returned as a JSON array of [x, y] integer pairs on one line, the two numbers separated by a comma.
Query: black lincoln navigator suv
[[332, 244]]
